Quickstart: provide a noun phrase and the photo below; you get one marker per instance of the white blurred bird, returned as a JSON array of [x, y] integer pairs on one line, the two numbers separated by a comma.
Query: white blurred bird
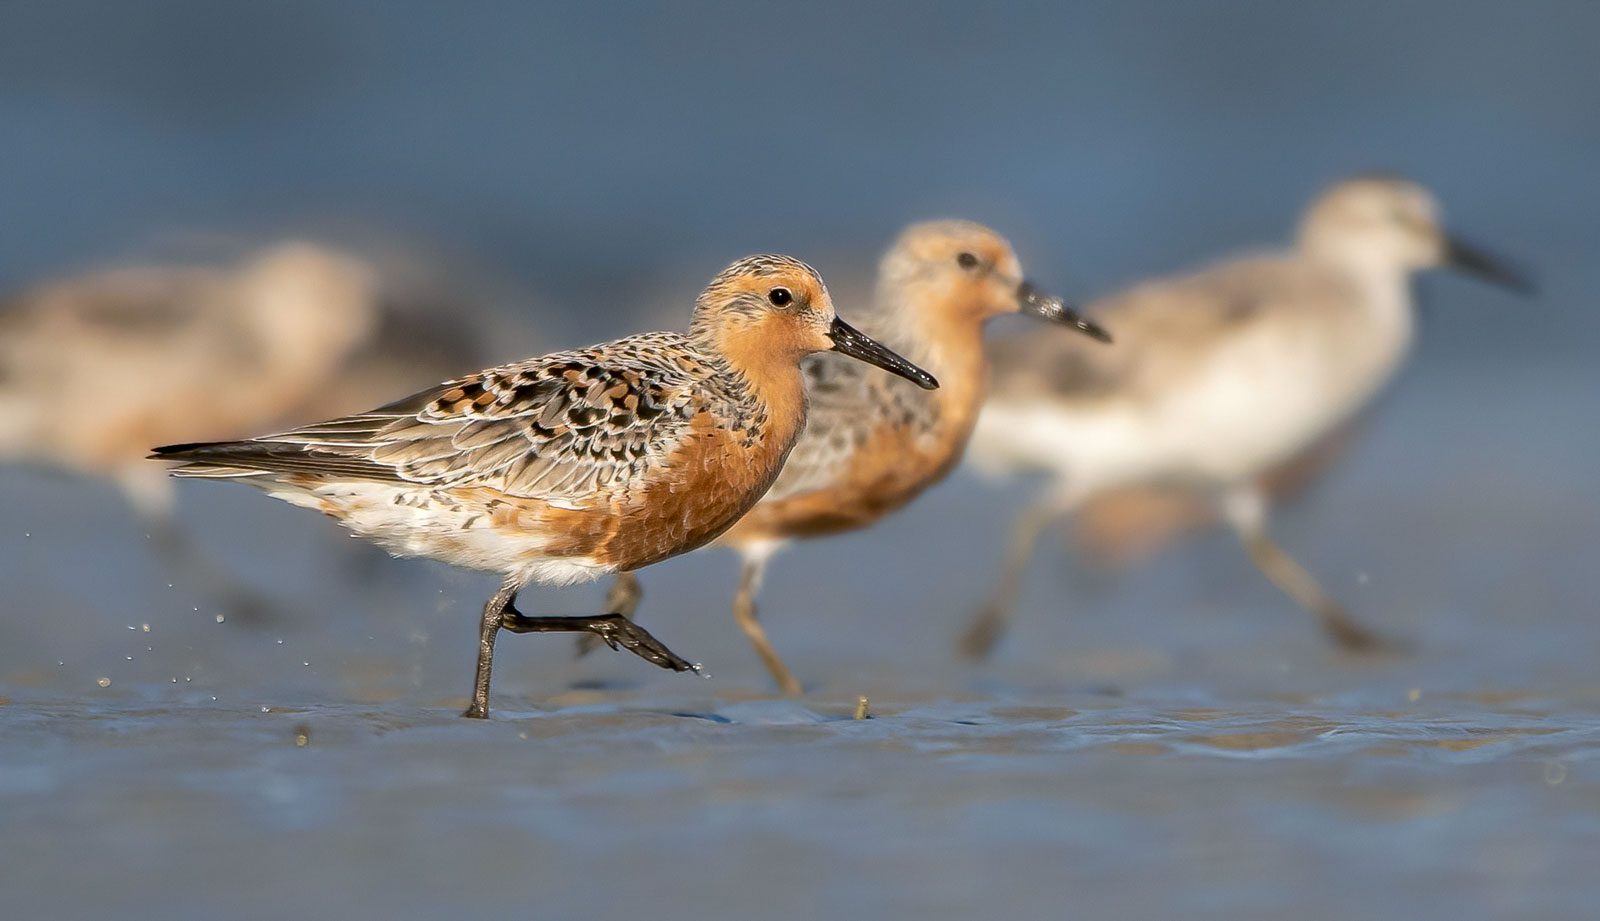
[[1218, 377]]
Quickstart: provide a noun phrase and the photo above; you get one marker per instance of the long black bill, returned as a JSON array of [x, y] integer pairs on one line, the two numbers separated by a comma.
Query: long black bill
[[853, 342], [1049, 307], [1492, 269]]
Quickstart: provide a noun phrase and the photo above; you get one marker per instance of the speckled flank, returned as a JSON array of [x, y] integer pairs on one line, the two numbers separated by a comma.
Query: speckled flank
[[618, 455]]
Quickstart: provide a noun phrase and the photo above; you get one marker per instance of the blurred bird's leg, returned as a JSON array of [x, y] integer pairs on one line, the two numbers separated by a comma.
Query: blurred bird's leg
[[622, 598], [149, 490], [995, 615], [1246, 510], [616, 631], [744, 614]]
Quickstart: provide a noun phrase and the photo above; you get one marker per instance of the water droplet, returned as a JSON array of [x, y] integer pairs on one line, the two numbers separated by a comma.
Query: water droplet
[[220, 618], [146, 627], [103, 682]]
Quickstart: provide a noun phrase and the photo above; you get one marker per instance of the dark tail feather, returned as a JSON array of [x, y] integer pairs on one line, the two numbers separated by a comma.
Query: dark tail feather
[[249, 458]]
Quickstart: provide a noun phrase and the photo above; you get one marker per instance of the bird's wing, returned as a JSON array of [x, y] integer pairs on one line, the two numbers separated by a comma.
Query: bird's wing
[[1159, 326], [564, 428]]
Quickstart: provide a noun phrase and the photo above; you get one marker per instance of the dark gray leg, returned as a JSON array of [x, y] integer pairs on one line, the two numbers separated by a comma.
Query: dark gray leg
[[614, 630], [622, 598], [493, 616]]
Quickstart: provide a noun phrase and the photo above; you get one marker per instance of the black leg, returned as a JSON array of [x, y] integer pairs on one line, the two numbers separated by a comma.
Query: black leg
[[623, 598], [614, 630], [493, 617]]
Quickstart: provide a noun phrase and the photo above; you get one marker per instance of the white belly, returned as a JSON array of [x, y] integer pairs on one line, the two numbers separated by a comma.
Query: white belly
[[413, 522], [1255, 402]]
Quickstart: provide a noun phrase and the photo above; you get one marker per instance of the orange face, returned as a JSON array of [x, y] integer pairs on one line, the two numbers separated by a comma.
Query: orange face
[[944, 272], [777, 304], [775, 310], [956, 267]]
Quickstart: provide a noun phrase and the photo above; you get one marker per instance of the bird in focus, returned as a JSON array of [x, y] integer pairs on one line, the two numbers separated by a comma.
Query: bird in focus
[[1221, 376], [873, 443], [577, 464]]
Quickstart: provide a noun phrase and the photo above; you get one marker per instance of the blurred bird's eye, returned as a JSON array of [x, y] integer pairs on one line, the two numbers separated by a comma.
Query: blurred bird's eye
[[780, 297], [967, 261]]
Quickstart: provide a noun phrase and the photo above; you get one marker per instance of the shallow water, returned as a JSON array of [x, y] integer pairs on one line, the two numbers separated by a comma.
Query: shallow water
[[1174, 736], [612, 804]]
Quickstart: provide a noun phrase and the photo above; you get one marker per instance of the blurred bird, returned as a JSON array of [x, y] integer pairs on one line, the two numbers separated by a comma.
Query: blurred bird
[[1122, 527], [159, 346], [873, 443], [321, 331], [1219, 377], [577, 464]]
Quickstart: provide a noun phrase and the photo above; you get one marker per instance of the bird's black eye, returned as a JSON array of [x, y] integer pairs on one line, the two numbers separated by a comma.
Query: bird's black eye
[[967, 261], [780, 297]]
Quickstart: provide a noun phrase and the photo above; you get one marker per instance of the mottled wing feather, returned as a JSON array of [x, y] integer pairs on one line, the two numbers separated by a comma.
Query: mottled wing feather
[[562, 428]]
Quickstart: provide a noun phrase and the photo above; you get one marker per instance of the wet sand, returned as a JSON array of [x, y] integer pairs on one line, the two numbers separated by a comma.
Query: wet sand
[[1175, 735]]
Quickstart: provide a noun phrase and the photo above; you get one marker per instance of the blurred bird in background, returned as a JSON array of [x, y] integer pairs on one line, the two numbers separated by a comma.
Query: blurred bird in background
[[1220, 380], [873, 443], [1121, 528], [96, 368]]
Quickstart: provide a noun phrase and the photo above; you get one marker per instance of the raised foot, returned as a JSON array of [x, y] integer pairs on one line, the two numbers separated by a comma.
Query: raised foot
[[618, 632], [586, 643]]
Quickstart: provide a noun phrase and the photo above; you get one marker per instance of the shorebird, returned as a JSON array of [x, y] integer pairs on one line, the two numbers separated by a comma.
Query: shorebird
[[577, 464], [872, 443], [1219, 377], [316, 331], [159, 345]]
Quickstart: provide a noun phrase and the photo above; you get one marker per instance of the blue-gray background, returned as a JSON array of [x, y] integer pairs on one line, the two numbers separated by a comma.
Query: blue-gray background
[[600, 161]]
